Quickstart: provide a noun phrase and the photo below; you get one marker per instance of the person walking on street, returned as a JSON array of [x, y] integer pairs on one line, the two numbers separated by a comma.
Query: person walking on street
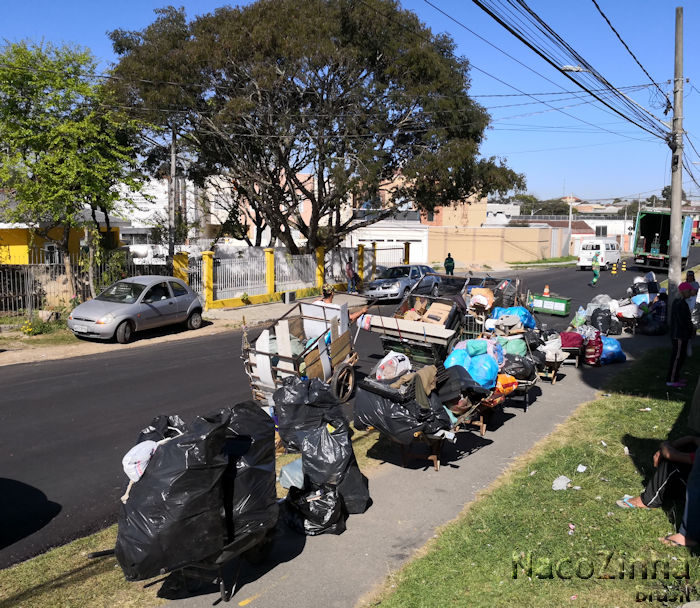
[[352, 277], [682, 331], [449, 264], [595, 267]]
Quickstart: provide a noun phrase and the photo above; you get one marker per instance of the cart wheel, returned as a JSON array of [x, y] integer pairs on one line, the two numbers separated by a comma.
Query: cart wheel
[[343, 382]]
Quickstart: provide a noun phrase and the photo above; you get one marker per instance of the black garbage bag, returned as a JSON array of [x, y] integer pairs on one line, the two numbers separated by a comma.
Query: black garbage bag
[[161, 427], [615, 326], [538, 358], [303, 405], [458, 382], [173, 515], [433, 418], [326, 453], [390, 418], [533, 339], [354, 489], [521, 368], [250, 494], [600, 319], [314, 512]]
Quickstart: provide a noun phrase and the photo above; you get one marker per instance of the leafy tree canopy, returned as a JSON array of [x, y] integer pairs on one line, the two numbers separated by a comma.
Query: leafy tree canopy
[[304, 107], [63, 150]]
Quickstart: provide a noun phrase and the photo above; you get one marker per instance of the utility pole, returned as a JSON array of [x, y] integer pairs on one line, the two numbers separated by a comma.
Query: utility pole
[[171, 205], [676, 145]]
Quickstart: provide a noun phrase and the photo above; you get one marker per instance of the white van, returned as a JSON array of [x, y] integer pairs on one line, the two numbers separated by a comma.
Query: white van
[[608, 248]]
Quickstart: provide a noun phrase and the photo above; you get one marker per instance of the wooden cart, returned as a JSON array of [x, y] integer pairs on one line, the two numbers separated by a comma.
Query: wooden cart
[[311, 340]]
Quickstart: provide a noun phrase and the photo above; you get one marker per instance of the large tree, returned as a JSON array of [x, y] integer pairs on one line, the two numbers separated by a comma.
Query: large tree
[[62, 150], [325, 103]]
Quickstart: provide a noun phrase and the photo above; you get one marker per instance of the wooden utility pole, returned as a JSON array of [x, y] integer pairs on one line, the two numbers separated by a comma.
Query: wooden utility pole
[[676, 145]]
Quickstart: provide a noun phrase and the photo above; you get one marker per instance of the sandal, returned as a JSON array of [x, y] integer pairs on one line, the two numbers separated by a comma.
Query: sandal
[[667, 540], [624, 502]]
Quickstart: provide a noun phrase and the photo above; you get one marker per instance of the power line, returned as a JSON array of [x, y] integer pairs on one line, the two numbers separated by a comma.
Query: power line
[[668, 101], [540, 25]]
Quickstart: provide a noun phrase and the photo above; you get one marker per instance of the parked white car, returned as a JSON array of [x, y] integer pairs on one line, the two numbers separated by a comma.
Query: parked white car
[[607, 247]]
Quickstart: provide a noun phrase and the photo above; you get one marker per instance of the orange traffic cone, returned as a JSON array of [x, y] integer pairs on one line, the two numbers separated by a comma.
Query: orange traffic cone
[[546, 290]]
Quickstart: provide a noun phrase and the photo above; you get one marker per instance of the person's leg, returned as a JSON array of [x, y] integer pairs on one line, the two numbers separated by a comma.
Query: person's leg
[[677, 358], [668, 480]]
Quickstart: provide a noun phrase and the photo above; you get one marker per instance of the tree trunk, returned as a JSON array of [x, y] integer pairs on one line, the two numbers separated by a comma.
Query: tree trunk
[[63, 247]]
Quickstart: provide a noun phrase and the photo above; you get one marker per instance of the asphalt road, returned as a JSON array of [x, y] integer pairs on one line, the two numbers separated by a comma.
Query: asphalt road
[[65, 425]]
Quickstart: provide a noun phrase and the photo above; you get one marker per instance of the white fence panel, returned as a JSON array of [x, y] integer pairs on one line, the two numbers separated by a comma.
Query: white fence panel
[[336, 259], [390, 256], [236, 276], [294, 271]]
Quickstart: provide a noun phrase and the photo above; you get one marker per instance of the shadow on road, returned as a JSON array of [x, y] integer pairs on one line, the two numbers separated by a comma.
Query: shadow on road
[[24, 509]]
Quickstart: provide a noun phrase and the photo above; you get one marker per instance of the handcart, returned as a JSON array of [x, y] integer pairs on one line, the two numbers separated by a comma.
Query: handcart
[[311, 340]]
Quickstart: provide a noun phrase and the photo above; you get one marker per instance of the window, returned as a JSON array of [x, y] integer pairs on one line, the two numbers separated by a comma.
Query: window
[[608, 247], [178, 290], [415, 273], [157, 292], [590, 247], [431, 216], [601, 231]]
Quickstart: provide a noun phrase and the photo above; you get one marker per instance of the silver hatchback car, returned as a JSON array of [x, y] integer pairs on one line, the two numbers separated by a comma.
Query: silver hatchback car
[[397, 281], [135, 304]]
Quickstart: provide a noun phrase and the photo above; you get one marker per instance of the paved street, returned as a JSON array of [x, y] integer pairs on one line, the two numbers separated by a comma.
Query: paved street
[[65, 425]]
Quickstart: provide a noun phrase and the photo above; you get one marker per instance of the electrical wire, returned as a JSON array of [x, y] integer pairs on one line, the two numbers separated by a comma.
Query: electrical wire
[[600, 10]]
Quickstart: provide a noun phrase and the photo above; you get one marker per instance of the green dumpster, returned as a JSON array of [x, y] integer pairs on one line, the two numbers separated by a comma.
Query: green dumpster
[[551, 304]]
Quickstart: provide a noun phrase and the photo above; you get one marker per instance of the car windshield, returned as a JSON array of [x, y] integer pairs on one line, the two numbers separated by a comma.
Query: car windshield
[[395, 273], [122, 292]]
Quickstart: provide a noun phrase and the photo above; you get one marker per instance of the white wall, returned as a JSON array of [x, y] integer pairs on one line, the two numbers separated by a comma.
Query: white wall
[[389, 233]]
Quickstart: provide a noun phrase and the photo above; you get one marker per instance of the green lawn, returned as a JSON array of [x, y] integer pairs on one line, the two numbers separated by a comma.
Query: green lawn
[[568, 258], [482, 558]]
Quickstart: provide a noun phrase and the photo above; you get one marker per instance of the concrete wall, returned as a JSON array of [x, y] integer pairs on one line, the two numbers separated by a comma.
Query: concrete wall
[[489, 245]]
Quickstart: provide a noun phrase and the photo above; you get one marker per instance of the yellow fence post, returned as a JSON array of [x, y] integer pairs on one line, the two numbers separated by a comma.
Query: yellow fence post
[[181, 262], [320, 266], [361, 261], [374, 260], [208, 278], [407, 253], [270, 270]]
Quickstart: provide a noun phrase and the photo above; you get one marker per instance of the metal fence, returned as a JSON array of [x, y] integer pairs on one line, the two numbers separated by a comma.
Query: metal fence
[[238, 276], [294, 271], [390, 256]]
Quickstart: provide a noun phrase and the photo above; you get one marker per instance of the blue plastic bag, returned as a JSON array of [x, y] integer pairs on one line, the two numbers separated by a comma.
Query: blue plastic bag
[[612, 351], [484, 370], [640, 298], [459, 356], [522, 313]]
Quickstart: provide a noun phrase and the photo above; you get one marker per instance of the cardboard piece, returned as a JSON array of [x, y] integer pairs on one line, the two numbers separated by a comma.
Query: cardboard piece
[[437, 313]]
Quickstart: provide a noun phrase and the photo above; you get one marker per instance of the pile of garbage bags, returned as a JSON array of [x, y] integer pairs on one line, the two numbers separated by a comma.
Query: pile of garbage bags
[[330, 484], [197, 490]]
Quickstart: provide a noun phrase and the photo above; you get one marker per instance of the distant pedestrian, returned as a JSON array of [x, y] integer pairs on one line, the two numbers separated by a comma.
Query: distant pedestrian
[[595, 267], [351, 275], [693, 299], [682, 331], [449, 264]]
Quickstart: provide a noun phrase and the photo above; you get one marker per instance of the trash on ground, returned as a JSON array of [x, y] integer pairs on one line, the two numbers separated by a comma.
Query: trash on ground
[[560, 482]]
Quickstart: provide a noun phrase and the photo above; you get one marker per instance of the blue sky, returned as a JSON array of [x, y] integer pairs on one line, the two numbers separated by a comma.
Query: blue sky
[[590, 152]]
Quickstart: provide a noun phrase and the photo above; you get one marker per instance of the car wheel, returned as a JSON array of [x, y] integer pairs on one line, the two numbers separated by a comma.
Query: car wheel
[[434, 291], [124, 332], [405, 293], [194, 321]]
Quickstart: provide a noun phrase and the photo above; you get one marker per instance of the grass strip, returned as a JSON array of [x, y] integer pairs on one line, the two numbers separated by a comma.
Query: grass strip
[[566, 258], [482, 558]]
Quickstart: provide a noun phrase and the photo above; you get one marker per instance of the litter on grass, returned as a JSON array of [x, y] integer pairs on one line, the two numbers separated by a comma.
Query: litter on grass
[[627, 451], [644, 409], [560, 482], [581, 468]]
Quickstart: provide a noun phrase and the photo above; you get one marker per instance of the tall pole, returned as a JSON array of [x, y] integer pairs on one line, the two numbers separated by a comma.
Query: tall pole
[[676, 145], [171, 205]]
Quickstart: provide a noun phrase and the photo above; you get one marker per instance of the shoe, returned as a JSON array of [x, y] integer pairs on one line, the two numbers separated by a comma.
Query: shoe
[[624, 502], [676, 384]]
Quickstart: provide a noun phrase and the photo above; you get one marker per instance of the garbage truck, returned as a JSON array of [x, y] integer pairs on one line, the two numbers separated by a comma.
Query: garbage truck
[[652, 239]]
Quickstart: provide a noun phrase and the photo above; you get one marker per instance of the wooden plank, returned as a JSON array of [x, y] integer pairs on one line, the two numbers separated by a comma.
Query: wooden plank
[[340, 348], [314, 369], [334, 330], [284, 347]]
